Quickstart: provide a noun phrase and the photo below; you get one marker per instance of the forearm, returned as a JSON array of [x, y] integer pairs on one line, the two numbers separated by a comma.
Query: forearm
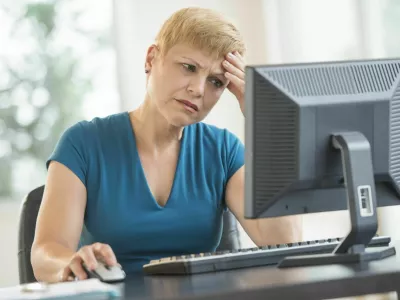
[[281, 230], [49, 259]]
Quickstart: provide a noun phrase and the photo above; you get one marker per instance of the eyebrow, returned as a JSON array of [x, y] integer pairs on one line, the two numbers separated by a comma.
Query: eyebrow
[[218, 73]]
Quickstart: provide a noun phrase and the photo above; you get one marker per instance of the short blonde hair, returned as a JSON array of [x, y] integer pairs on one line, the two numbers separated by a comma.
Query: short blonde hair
[[202, 28]]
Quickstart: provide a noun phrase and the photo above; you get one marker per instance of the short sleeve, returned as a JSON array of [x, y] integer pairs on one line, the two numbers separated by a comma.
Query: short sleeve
[[70, 151], [235, 153]]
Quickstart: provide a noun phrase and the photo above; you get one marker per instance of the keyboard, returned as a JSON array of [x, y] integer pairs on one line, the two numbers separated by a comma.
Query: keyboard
[[245, 258]]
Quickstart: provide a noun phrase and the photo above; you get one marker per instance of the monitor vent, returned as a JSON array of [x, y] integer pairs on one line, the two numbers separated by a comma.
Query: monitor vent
[[335, 79], [274, 145], [395, 136]]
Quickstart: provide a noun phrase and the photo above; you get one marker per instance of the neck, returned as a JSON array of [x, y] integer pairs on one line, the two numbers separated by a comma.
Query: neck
[[152, 129]]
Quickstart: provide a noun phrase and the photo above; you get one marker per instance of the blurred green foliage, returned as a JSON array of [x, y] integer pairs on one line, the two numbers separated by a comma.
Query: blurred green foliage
[[44, 87]]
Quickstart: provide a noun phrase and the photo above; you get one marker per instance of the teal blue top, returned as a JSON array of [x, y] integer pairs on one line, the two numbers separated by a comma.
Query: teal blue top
[[122, 212]]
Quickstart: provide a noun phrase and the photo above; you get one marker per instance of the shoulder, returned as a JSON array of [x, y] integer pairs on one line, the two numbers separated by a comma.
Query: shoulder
[[216, 142], [214, 134], [87, 137], [80, 143], [219, 146], [98, 127]]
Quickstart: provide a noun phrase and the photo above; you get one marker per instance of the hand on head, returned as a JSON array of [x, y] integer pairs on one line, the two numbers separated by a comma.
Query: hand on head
[[89, 255], [234, 66]]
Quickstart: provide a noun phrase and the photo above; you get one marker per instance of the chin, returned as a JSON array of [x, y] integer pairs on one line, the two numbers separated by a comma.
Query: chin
[[180, 120]]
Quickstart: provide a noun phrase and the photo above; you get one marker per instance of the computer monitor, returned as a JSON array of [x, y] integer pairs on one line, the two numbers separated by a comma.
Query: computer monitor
[[321, 137]]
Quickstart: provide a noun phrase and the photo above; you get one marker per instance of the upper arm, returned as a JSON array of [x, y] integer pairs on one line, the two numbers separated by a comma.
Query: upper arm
[[234, 189], [265, 231], [234, 199], [62, 210]]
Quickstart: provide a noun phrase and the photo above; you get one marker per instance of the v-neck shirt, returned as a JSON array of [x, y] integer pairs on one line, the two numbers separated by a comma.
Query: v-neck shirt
[[121, 210]]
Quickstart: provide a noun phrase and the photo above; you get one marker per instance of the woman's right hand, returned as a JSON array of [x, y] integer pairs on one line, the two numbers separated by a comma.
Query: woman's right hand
[[89, 255]]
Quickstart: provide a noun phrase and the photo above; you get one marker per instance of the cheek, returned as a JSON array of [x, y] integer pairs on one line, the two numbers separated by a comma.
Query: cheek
[[159, 87], [173, 82], [211, 98]]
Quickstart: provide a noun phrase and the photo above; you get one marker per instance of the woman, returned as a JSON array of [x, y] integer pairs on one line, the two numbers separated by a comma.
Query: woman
[[153, 182]]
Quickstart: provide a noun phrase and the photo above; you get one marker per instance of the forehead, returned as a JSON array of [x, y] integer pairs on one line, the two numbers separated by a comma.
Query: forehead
[[201, 57]]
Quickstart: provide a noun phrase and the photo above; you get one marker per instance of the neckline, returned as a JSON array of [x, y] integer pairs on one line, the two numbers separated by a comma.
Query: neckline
[[142, 172]]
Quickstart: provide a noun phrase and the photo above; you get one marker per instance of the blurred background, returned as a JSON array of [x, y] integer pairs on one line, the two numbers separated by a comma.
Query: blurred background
[[64, 61]]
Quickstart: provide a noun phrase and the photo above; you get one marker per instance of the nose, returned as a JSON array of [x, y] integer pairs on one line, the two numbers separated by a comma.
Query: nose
[[196, 86]]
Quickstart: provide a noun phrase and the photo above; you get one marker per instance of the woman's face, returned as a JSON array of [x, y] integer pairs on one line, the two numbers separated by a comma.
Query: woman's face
[[185, 84]]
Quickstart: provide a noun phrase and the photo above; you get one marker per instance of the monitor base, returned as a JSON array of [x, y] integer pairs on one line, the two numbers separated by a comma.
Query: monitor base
[[370, 254]]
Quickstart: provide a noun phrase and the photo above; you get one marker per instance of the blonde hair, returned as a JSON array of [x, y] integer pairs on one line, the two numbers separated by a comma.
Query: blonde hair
[[201, 28]]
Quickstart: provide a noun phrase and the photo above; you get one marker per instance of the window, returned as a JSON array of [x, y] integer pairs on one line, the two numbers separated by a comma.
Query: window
[[56, 68]]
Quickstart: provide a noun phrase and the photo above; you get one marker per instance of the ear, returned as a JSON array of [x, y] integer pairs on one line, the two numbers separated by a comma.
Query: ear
[[150, 57]]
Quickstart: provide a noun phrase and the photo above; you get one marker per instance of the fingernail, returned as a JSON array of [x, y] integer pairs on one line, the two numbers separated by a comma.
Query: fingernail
[[230, 55]]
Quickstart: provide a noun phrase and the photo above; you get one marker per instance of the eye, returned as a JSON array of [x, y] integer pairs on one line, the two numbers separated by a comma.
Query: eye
[[189, 67], [218, 83]]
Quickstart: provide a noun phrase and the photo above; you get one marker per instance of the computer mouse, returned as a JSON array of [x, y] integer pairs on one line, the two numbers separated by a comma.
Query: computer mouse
[[105, 273]]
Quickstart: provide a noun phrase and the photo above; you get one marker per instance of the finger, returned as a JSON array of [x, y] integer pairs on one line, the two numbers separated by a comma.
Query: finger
[[232, 69], [65, 274], [242, 63], [241, 58], [236, 61], [88, 257], [105, 252], [238, 82], [77, 269]]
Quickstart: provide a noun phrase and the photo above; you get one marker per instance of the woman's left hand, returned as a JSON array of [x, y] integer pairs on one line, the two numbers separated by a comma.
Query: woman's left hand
[[234, 66]]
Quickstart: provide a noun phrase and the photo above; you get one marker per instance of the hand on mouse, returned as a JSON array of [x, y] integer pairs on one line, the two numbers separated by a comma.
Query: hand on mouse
[[90, 255]]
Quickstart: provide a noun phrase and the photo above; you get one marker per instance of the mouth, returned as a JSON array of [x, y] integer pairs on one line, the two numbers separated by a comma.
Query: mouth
[[189, 105]]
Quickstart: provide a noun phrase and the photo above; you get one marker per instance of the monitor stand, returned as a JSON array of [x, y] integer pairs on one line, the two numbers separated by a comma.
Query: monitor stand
[[360, 185]]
